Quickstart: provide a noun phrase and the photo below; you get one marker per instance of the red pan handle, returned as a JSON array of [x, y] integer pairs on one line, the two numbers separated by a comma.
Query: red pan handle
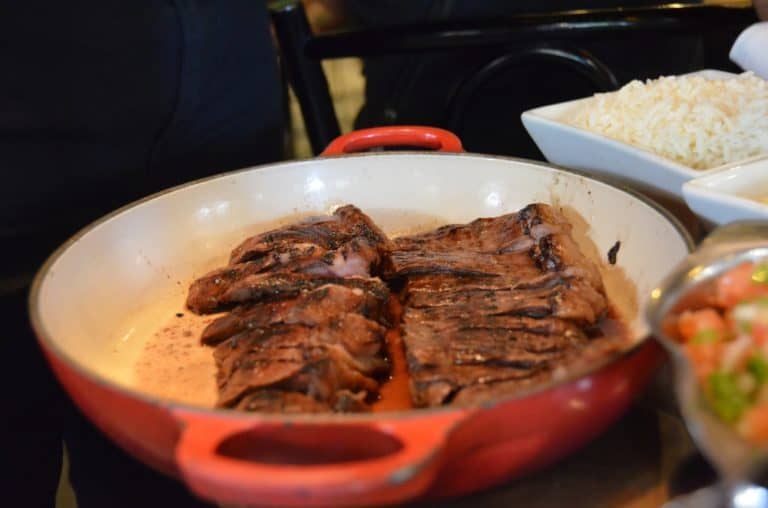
[[388, 479], [431, 138]]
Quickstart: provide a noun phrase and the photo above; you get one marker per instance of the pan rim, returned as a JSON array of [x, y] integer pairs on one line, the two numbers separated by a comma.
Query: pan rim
[[45, 339]]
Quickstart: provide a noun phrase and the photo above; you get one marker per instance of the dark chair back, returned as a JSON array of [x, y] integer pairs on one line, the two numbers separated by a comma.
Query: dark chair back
[[475, 76]]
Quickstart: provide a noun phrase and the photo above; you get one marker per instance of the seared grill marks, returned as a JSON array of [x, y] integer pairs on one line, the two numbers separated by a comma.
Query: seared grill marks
[[494, 305], [489, 307], [346, 244], [307, 325], [366, 297], [340, 354]]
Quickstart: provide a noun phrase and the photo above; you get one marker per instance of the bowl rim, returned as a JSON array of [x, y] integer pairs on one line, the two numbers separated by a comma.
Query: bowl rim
[[45, 338], [702, 188], [717, 174]]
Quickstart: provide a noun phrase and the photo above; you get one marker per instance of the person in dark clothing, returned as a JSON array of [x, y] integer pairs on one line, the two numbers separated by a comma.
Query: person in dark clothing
[[761, 6], [100, 104]]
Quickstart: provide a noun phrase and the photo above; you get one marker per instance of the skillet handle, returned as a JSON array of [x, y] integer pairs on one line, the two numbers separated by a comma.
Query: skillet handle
[[309, 463], [431, 138]]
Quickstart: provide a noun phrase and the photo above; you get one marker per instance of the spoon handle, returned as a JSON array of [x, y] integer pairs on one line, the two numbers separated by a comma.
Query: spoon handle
[[714, 496], [706, 497]]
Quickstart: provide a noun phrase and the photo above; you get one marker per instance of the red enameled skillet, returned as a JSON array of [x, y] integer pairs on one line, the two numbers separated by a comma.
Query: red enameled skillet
[[102, 293]]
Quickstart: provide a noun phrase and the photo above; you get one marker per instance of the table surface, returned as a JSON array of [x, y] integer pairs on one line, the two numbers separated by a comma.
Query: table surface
[[630, 465]]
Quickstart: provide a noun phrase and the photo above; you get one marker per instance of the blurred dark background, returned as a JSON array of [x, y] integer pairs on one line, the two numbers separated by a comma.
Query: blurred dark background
[[480, 88]]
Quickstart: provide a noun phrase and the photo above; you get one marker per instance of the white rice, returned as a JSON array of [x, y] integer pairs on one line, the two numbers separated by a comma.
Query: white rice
[[699, 122]]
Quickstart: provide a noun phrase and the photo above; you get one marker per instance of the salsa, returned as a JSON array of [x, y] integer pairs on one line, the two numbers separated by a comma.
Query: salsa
[[727, 344]]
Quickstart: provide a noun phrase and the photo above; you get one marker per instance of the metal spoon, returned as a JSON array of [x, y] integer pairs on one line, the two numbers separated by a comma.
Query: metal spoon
[[737, 462]]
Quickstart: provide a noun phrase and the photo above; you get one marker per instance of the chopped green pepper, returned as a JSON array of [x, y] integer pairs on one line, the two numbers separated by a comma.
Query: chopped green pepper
[[760, 274], [758, 367], [745, 327], [726, 398], [705, 336]]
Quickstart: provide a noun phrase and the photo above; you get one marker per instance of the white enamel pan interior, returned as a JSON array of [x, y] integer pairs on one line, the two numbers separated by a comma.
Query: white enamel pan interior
[[105, 291]]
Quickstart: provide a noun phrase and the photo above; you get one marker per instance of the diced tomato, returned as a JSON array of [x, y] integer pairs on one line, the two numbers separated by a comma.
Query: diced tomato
[[705, 357], [691, 324], [760, 333], [754, 425], [727, 345], [737, 285]]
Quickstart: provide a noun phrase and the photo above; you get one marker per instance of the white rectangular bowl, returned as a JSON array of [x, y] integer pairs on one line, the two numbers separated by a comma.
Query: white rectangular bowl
[[592, 153], [729, 194]]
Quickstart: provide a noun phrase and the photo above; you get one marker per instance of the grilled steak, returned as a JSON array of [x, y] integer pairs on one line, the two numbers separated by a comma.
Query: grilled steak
[[331, 233], [488, 308], [564, 297], [279, 401], [343, 354], [535, 237], [306, 327], [281, 263], [494, 305], [310, 308], [206, 295]]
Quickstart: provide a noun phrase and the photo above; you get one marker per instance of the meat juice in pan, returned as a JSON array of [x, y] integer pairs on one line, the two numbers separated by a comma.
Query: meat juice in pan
[[442, 385], [174, 365]]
